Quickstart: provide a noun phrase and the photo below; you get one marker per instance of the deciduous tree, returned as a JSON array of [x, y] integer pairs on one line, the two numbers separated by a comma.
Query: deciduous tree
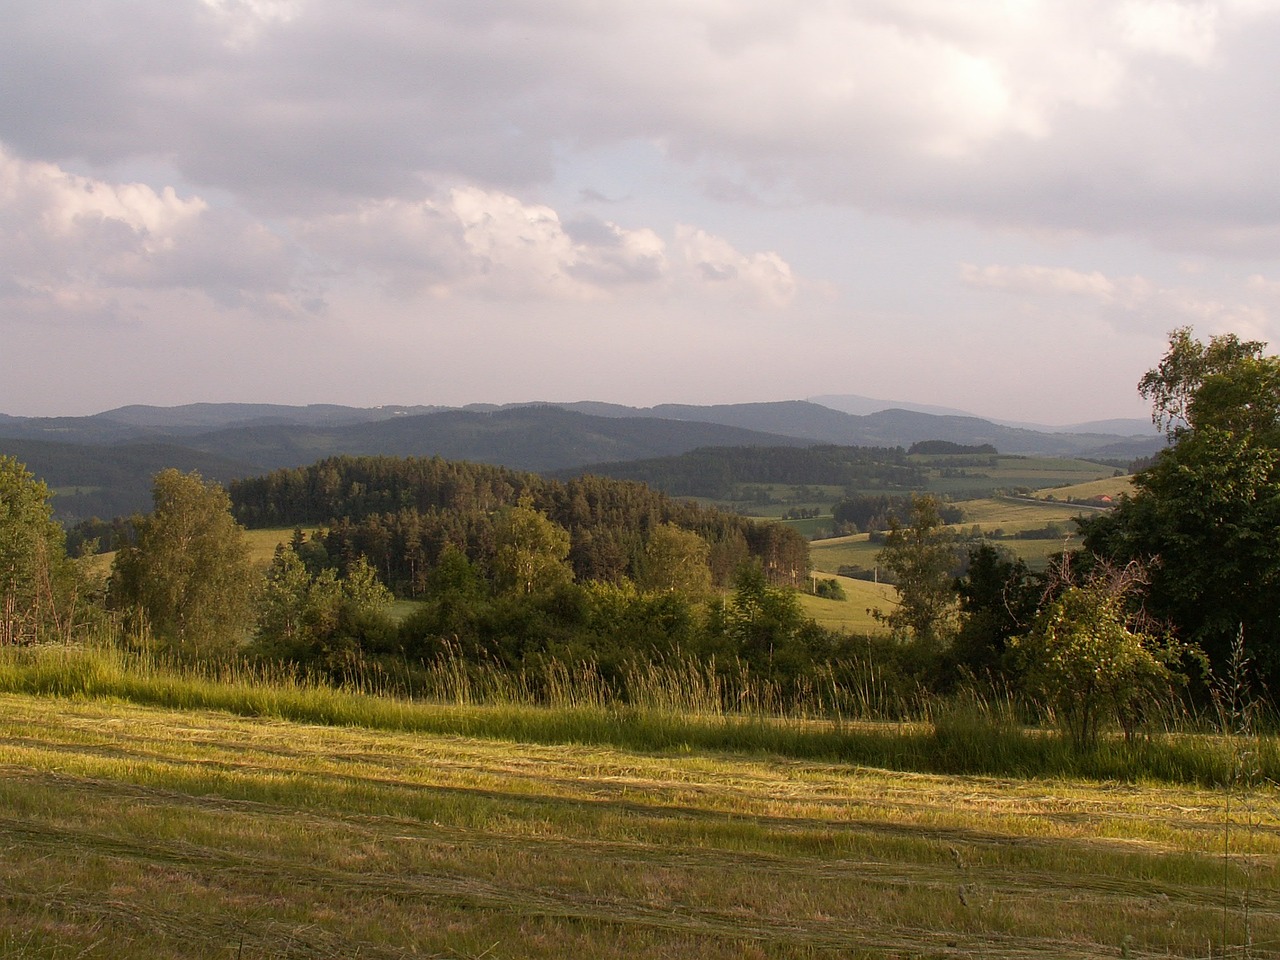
[[1205, 516], [37, 580], [1091, 665], [188, 578], [532, 551], [675, 561], [921, 557]]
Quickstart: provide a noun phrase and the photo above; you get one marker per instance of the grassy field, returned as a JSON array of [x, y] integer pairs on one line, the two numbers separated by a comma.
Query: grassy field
[[853, 613], [138, 831], [1110, 487], [263, 543]]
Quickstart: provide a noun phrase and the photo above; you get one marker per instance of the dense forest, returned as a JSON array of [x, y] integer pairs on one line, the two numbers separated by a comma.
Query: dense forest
[[718, 472], [402, 514]]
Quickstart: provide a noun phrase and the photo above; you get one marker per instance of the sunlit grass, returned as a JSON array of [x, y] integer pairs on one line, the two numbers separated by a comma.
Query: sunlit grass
[[1110, 487], [145, 831], [853, 614]]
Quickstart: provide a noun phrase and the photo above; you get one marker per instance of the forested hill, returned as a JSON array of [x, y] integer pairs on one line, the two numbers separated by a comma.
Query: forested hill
[[111, 475], [403, 513], [227, 440], [716, 472], [525, 438]]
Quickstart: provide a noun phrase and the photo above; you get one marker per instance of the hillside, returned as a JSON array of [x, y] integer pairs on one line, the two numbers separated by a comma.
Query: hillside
[[122, 448]]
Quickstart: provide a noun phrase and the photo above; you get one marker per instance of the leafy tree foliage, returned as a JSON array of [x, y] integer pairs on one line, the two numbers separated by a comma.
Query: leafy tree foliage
[[187, 578], [921, 557], [1173, 384], [533, 551], [999, 597], [1205, 515], [402, 515], [675, 561], [38, 583], [318, 620], [1084, 657]]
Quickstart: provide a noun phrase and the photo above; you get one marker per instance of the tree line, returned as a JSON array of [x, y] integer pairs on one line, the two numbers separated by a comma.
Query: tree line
[[401, 514], [718, 473]]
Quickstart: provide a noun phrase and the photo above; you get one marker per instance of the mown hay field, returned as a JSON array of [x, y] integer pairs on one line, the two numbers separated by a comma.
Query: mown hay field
[[137, 831]]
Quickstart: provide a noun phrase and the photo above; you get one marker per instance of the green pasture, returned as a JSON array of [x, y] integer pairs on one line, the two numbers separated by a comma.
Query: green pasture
[[133, 831], [827, 556], [853, 614], [263, 543]]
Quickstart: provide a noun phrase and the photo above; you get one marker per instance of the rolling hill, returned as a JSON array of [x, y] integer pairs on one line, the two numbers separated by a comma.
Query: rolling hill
[[102, 464]]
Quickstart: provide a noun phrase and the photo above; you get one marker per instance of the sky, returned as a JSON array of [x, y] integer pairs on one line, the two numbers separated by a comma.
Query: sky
[[998, 206]]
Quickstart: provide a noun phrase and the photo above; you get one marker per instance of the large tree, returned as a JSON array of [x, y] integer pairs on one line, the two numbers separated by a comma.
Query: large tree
[[188, 578], [1205, 515], [37, 581]]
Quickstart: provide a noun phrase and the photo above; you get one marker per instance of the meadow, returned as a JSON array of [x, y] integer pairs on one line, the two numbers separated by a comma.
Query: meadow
[[258, 818]]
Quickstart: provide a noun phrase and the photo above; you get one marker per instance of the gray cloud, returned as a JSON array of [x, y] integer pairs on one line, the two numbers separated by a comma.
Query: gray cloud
[[1149, 118]]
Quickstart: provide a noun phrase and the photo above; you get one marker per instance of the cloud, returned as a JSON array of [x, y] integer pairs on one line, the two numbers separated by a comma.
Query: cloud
[[1134, 301], [764, 277], [489, 244], [1037, 280], [76, 241], [1144, 117]]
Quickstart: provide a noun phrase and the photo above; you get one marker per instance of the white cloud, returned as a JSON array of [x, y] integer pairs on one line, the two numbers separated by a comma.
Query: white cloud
[[489, 244], [714, 263], [1137, 117], [1038, 280], [1173, 28], [245, 20], [74, 241]]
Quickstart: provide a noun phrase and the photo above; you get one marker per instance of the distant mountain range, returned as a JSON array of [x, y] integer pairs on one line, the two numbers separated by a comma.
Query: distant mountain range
[[852, 403], [102, 464]]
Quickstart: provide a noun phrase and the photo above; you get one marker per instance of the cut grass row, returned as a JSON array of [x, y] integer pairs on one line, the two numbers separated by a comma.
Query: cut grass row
[[144, 831]]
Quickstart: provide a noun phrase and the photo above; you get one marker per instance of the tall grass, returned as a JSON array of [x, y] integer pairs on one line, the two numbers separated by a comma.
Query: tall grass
[[675, 706]]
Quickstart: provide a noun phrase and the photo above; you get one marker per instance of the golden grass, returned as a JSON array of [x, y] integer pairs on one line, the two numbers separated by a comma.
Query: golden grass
[[1111, 487], [132, 832]]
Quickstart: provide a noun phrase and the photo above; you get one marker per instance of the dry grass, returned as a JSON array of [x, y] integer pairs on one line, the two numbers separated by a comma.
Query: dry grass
[[142, 832], [1110, 487]]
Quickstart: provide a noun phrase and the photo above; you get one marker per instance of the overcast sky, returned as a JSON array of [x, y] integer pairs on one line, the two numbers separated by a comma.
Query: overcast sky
[[1001, 207]]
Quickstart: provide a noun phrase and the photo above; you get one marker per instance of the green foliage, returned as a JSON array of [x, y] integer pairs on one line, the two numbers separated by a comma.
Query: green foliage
[[319, 621], [1091, 667], [999, 597], [1204, 514], [829, 589], [402, 514], [38, 584], [532, 551], [921, 557], [675, 561], [188, 579], [1173, 384]]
